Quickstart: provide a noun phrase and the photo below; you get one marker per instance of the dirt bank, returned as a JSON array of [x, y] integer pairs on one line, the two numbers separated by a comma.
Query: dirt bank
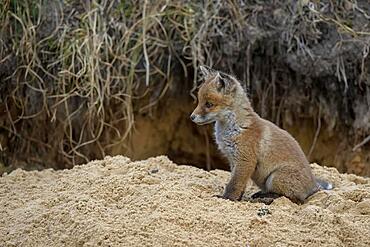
[[115, 202], [91, 76]]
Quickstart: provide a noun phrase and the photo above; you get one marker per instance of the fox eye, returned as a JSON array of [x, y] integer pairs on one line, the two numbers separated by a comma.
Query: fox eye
[[209, 104]]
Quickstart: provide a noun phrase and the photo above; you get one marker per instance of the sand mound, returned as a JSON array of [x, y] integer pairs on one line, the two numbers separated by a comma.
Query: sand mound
[[115, 202]]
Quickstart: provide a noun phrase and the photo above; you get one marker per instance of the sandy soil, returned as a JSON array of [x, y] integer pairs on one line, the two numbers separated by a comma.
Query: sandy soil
[[115, 202]]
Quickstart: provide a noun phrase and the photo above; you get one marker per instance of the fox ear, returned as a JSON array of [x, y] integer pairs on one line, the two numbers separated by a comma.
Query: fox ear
[[225, 83], [207, 71], [221, 83]]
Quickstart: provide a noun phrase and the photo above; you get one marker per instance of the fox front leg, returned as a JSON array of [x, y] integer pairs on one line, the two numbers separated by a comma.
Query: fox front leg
[[240, 175]]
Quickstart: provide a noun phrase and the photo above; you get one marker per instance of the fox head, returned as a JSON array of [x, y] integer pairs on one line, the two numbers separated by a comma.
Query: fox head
[[216, 96]]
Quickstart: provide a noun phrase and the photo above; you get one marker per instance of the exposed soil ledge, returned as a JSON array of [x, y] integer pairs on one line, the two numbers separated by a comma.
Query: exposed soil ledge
[[115, 202]]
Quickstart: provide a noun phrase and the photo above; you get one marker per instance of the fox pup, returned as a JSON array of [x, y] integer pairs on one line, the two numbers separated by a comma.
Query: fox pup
[[254, 147]]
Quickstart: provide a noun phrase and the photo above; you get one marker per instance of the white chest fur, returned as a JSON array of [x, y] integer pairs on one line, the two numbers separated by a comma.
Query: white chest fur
[[225, 133]]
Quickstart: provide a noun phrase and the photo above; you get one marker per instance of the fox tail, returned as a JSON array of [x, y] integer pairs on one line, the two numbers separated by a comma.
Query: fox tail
[[322, 184]]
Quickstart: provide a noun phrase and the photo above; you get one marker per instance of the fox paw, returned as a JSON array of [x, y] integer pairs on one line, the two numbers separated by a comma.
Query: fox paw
[[229, 197]]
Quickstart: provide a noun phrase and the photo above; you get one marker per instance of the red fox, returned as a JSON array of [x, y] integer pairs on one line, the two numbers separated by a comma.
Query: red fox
[[255, 148]]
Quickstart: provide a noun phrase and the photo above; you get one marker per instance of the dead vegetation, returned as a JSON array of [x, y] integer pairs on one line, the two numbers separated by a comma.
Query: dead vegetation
[[75, 75]]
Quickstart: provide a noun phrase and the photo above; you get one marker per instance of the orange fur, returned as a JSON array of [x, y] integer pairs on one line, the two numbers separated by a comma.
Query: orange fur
[[255, 148]]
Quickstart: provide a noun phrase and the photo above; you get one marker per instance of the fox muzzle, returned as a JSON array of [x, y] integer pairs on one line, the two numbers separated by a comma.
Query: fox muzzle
[[201, 120]]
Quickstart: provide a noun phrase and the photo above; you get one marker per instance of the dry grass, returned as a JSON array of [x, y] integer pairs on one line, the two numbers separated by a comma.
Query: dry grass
[[83, 70]]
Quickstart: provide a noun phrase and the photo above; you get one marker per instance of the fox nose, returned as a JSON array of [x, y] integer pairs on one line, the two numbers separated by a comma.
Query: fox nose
[[192, 117]]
